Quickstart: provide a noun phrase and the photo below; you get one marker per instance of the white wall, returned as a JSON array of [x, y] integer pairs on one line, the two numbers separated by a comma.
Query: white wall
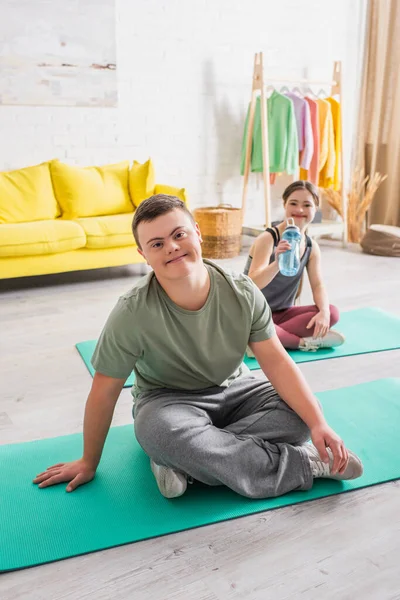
[[184, 72]]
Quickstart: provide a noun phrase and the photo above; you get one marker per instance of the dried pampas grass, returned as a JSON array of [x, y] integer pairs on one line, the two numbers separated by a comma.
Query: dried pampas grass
[[360, 197]]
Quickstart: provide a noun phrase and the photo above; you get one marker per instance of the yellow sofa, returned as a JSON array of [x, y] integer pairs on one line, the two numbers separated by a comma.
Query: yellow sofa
[[56, 218]]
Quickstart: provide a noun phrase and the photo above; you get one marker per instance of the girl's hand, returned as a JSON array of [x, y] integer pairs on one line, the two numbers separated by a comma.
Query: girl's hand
[[282, 247], [321, 322]]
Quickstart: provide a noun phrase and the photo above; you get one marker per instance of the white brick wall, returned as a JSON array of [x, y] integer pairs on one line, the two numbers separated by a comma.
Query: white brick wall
[[184, 73]]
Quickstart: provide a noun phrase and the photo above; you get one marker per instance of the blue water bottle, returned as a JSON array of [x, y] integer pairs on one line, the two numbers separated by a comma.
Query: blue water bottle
[[289, 261]]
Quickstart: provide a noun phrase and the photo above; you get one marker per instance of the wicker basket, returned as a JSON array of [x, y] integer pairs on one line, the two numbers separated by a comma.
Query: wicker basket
[[221, 230]]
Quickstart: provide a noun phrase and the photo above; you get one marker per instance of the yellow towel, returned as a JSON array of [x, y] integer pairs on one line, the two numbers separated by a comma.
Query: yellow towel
[[327, 156]]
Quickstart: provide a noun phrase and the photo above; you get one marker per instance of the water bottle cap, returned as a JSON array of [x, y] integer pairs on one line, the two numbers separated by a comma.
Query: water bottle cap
[[291, 225]]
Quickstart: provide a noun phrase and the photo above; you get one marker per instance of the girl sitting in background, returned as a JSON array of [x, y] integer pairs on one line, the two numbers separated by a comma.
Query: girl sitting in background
[[298, 327]]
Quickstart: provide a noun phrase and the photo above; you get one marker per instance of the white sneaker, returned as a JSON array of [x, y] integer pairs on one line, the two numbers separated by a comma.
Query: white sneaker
[[331, 340], [171, 483], [353, 469]]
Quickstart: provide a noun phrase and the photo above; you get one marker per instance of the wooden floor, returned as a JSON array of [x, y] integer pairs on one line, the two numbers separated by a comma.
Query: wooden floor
[[342, 547]]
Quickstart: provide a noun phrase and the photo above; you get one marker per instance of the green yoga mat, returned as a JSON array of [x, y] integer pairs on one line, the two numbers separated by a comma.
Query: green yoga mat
[[366, 330], [123, 505]]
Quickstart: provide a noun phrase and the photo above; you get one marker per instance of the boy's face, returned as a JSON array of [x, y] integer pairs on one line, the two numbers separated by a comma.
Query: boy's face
[[171, 244]]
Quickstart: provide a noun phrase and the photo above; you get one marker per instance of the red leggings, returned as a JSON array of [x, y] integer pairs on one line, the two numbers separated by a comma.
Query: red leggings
[[291, 323]]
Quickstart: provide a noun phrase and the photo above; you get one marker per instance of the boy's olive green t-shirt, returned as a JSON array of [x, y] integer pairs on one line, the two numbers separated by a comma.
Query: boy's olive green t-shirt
[[170, 347]]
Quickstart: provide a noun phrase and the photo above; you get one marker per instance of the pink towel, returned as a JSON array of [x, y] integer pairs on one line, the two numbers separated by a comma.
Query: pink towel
[[312, 174]]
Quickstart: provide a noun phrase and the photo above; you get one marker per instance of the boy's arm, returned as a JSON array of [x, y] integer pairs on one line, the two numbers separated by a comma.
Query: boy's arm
[[99, 411], [291, 386]]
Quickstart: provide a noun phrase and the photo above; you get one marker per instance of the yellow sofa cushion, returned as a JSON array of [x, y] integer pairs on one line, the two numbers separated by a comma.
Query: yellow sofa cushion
[[78, 260], [141, 181], [91, 191], [40, 237], [27, 195], [171, 191], [111, 231]]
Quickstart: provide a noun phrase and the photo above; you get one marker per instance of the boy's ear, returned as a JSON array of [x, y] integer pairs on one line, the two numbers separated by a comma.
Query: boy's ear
[[142, 254], [198, 232]]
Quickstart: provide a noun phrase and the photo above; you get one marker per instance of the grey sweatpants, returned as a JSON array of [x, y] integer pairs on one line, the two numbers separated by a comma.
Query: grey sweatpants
[[243, 436]]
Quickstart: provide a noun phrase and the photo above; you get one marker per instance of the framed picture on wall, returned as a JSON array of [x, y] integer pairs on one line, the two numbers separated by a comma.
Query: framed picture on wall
[[58, 53]]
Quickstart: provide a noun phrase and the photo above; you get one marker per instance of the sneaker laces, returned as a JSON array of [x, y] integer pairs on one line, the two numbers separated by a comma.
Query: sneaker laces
[[320, 469], [310, 345]]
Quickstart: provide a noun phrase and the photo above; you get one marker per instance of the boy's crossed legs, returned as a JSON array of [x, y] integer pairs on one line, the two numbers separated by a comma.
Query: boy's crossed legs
[[243, 436]]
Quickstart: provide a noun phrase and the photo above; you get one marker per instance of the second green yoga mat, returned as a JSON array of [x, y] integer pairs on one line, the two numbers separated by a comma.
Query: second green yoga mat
[[366, 330], [123, 505]]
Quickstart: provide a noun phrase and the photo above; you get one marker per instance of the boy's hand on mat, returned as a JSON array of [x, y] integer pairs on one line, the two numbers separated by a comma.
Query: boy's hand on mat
[[324, 437], [321, 322], [282, 247], [76, 473]]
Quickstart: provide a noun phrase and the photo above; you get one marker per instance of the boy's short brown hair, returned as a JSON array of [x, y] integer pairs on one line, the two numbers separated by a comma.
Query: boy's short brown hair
[[154, 207]]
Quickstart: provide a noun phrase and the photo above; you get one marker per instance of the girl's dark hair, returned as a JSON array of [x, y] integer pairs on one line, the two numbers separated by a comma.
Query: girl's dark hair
[[155, 206], [301, 185]]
